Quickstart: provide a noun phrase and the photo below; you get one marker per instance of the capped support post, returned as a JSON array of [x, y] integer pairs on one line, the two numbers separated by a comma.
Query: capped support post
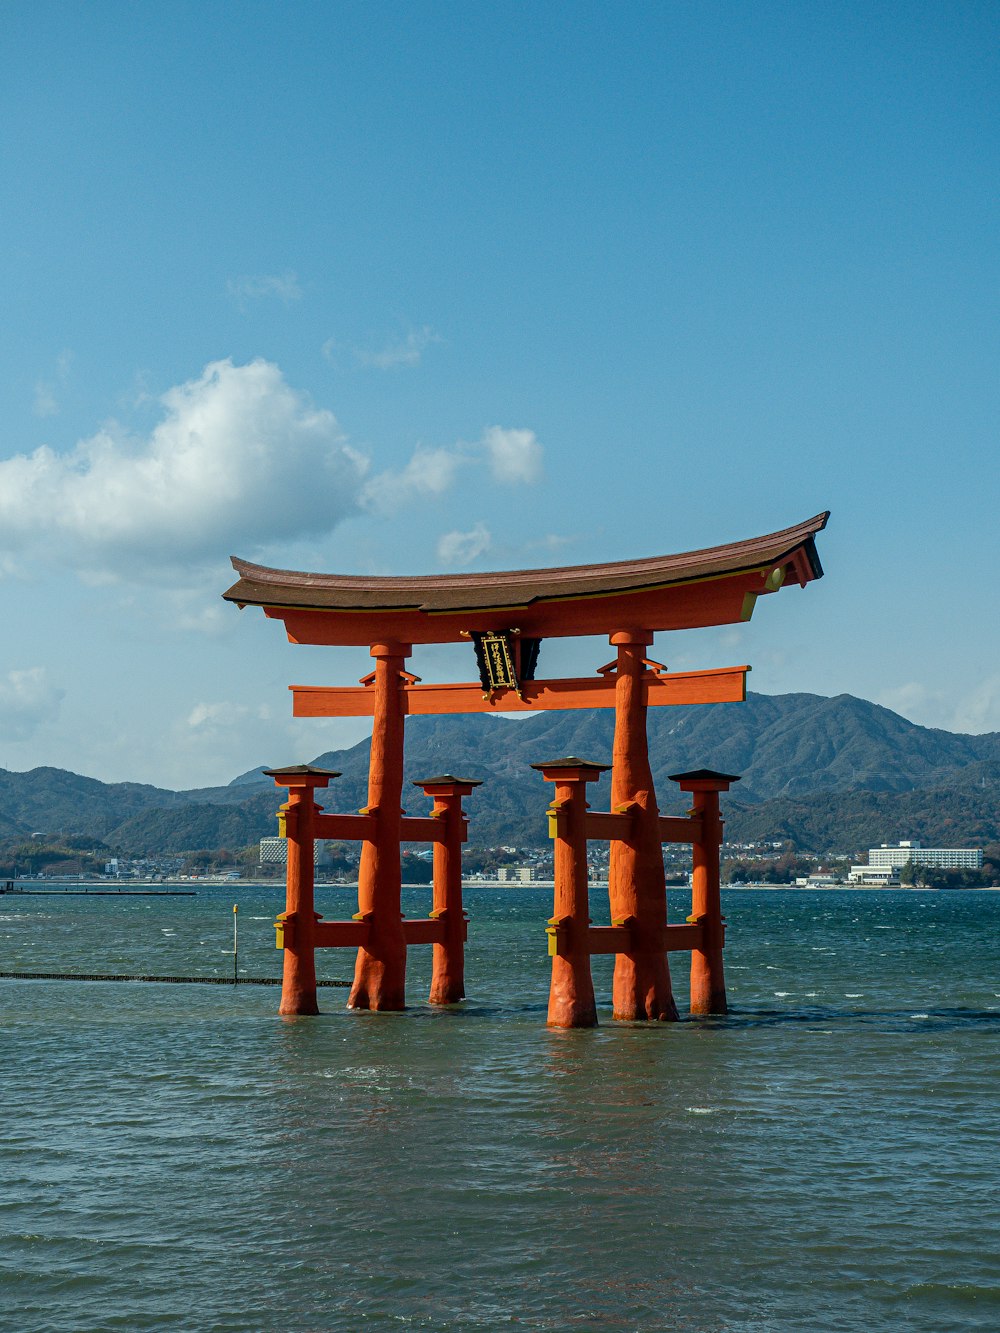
[[448, 970], [636, 881], [571, 992], [296, 926], [380, 969], [708, 982]]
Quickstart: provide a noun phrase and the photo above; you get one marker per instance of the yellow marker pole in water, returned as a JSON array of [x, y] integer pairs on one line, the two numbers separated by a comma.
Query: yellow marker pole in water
[[236, 942]]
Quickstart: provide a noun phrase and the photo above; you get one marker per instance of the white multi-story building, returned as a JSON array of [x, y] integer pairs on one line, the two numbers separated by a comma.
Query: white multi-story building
[[515, 874], [885, 877], [943, 858], [274, 851]]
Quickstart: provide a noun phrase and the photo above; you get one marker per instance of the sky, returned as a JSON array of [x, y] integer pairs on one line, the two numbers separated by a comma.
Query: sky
[[391, 287]]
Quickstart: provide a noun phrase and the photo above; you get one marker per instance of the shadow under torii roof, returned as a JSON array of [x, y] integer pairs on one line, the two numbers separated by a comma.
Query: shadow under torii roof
[[714, 586]]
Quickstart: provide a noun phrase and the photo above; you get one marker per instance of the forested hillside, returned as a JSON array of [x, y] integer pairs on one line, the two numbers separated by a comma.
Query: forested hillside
[[821, 773]]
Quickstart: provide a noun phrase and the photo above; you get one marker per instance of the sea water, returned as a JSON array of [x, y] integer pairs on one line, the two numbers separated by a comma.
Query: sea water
[[825, 1158]]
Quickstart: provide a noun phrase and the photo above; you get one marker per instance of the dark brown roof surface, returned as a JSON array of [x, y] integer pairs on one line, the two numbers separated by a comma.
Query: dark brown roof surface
[[259, 585]]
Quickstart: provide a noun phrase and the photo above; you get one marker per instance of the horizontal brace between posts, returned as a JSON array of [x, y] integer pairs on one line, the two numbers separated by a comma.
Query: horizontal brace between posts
[[362, 828], [680, 828], [603, 826], [341, 934], [621, 939], [345, 828], [357, 934], [720, 685]]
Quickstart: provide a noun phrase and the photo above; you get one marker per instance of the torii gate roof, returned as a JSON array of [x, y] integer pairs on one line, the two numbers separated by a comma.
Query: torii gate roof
[[714, 586]]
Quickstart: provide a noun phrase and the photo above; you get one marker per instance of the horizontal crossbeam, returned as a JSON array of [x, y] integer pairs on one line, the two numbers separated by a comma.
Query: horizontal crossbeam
[[356, 934], [362, 827], [720, 685], [619, 939]]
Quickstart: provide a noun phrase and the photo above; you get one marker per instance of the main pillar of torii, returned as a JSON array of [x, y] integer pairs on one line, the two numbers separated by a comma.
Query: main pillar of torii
[[507, 615]]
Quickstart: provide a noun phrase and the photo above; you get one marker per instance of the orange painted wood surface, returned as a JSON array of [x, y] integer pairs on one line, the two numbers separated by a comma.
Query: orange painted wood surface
[[677, 828], [341, 934], [345, 828], [602, 826], [424, 930], [618, 939], [715, 601], [609, 939], [719, 685]]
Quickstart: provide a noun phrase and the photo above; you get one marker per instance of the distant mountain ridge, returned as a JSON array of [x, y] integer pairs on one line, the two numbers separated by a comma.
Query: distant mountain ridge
[[808, 765]]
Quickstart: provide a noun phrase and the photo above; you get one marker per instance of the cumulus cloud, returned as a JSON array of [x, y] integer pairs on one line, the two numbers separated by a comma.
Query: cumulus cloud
[[405, 351], [220, 716], [515, 455], [46, 402], [238, 461], [27, 699], [429, 472], [461, 548], [254, 287]]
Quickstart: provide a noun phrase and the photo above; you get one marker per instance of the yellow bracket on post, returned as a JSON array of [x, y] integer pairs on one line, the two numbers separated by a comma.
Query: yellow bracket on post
[[555, 929], [554, 813], [284, 932]]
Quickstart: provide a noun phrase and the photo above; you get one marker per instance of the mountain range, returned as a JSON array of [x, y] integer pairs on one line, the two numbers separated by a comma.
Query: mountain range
[[823, 773]]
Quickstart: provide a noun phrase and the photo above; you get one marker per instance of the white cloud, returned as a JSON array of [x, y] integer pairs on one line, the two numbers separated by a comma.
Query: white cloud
[[280, 286], [46, 403], [238, 461], [221, 716], [461, 548], [979, 710], [429, 472], [972, 712], [406, 352], [515, 455], [27, 699]]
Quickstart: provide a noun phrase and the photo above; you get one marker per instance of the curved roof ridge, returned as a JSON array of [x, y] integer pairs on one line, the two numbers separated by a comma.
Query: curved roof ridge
[[728, 558]]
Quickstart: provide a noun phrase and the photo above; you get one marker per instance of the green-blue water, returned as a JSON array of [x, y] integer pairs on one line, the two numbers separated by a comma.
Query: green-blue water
[[178, 1157]]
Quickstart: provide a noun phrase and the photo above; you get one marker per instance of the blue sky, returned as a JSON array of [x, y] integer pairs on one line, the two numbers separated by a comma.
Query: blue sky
[[394, 287]]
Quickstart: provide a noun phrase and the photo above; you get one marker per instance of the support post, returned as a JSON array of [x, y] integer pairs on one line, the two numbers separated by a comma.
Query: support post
[[636, 882], [380, 969], [448, 969], [571, 992], [297, 923], [708, 982]]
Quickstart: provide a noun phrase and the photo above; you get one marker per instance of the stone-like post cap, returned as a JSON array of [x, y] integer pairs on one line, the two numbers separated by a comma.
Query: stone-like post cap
[[301, 775], [592, 771], [704, 779], [447, 780]]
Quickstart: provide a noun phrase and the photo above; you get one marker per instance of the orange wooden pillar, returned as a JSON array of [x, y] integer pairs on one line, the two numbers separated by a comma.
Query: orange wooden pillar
[[636, 882], [708, 982], [571, 992], [448, 974], [380, 970], [297, 923]]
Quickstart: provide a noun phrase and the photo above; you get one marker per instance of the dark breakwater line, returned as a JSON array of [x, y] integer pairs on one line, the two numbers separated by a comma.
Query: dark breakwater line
[[173, 981], [100, 893]]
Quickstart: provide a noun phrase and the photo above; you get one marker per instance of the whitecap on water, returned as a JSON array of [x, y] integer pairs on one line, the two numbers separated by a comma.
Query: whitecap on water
[[700, 1110]]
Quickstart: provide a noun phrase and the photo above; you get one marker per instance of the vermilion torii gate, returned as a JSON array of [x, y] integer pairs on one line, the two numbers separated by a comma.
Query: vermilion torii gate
[[506, 616]]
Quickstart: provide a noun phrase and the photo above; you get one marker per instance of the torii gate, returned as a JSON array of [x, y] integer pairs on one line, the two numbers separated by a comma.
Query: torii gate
[[507, 615]]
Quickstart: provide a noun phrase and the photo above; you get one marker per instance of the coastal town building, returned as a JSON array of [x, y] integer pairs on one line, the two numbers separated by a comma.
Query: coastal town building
[[515, 874], [274, 851], [942, 858], [885, 862]]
